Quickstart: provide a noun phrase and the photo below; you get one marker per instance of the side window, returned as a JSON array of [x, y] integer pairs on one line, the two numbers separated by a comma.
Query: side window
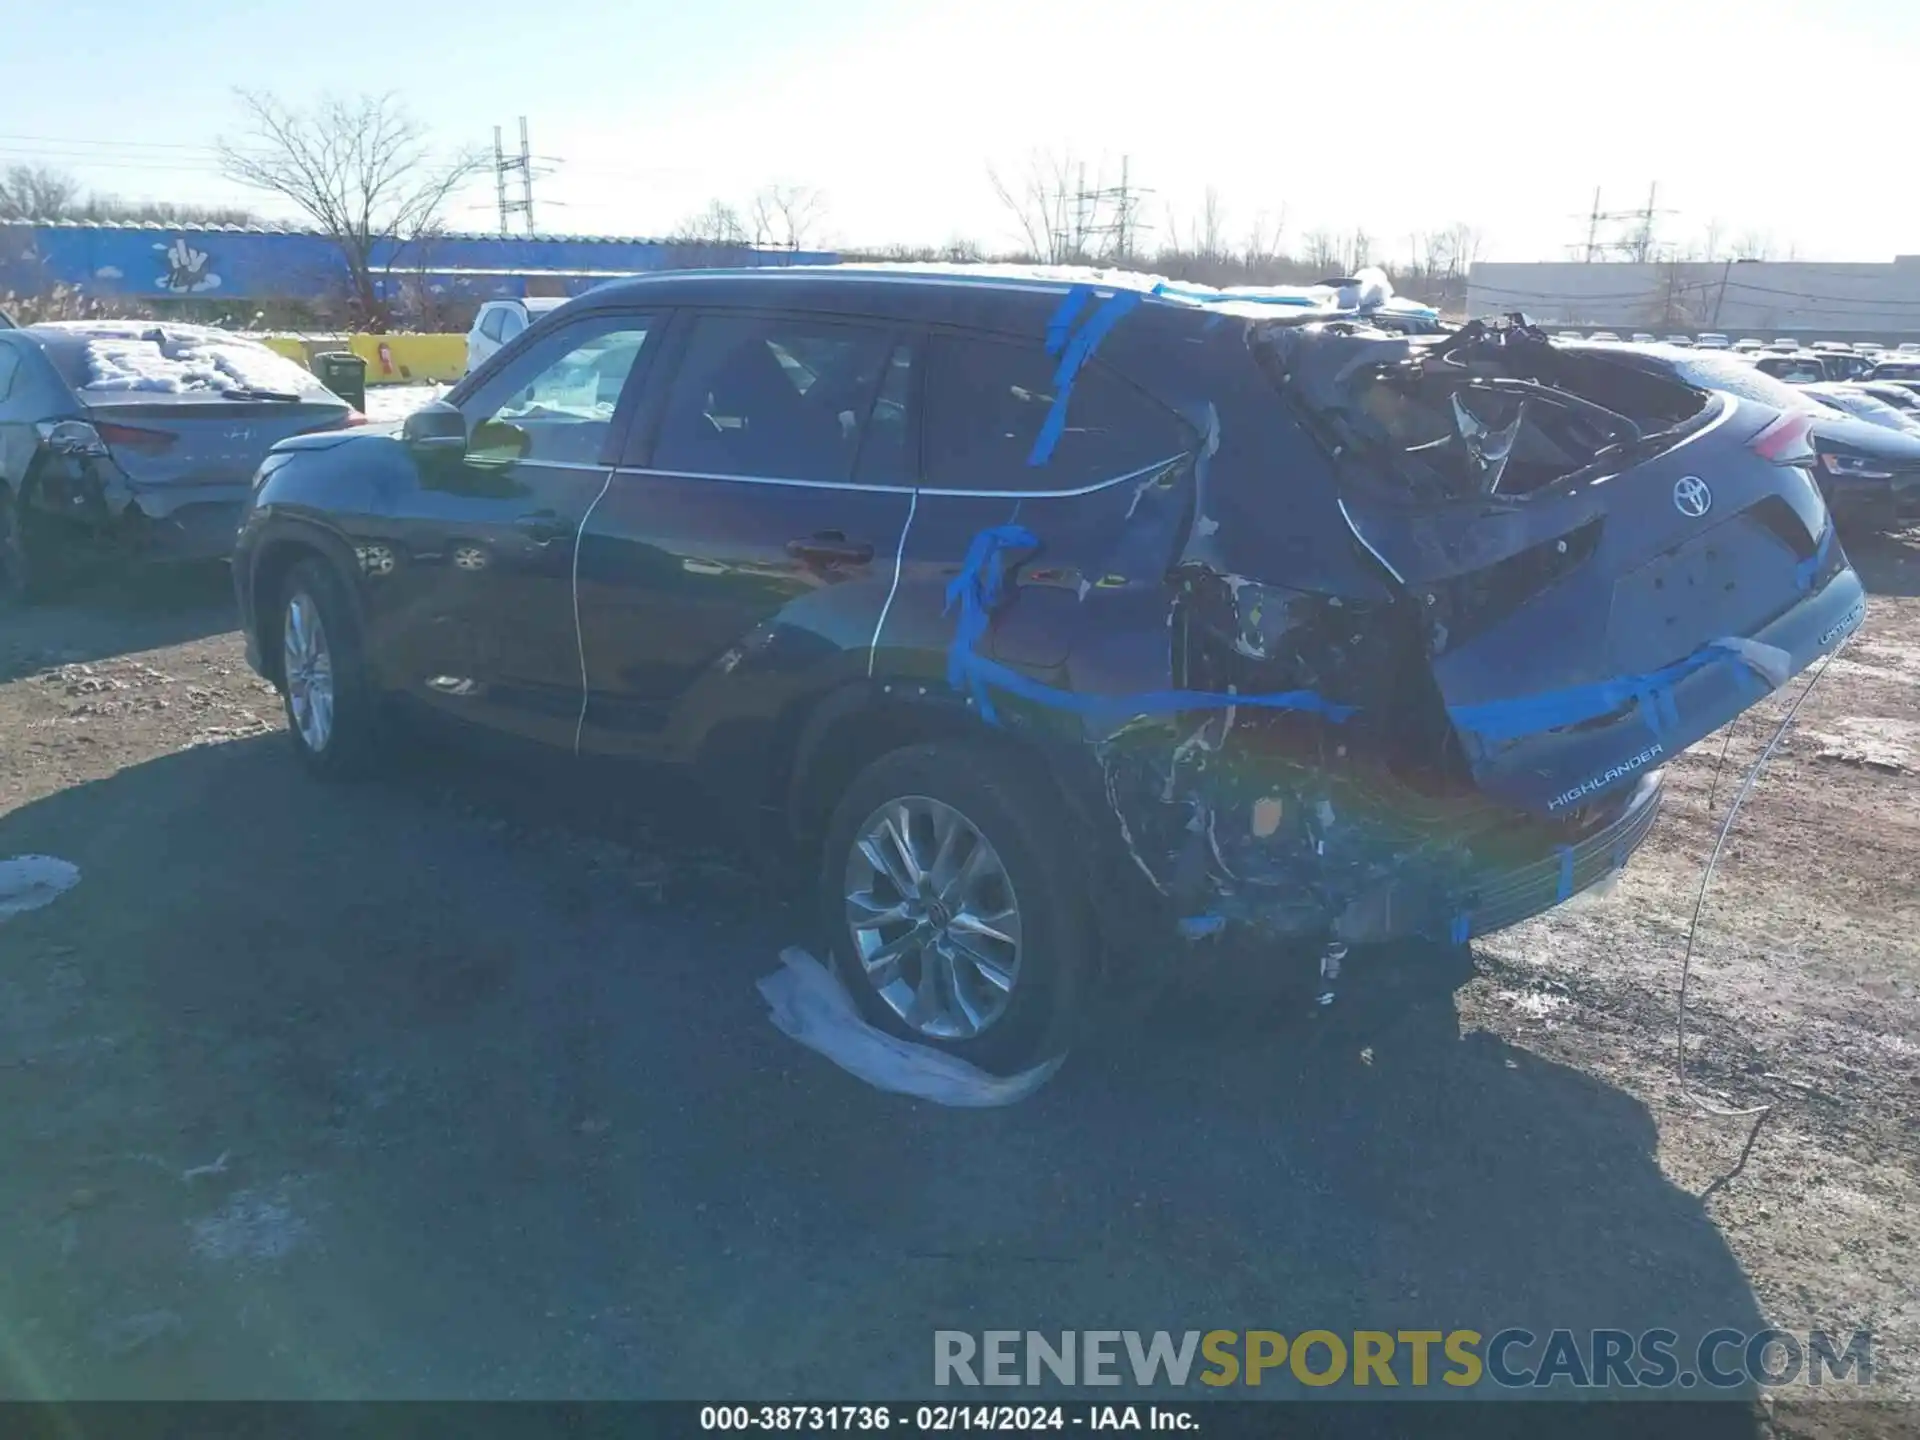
[[766, 395], [490, 327], [883, 449], [989, 400], [512, 322], [556, 402], [9, 364]]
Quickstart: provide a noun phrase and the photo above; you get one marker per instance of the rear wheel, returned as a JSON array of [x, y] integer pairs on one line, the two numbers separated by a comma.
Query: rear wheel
[[956, 913], [13, 554], [332, 708]]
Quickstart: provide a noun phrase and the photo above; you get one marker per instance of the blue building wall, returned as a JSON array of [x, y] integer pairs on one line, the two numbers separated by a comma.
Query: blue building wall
[[241, 263]]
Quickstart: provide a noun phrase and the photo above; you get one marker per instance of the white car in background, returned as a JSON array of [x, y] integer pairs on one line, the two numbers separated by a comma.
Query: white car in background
[[500, 320]]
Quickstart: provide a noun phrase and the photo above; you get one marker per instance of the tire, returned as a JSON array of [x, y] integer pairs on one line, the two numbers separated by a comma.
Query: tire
[[1026, 886], [336, 727], [15, 579]]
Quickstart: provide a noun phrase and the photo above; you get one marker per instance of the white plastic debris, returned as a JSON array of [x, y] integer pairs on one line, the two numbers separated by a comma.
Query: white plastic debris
[[29, 881], [808, 1003]]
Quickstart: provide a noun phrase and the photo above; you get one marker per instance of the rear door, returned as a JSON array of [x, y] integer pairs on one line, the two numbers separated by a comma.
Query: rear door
[[747, 542], [483, 547]]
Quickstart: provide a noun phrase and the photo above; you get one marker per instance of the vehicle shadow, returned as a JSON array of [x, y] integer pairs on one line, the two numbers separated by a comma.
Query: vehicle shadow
[[117, 614], [393, 1090], [1887, 564]]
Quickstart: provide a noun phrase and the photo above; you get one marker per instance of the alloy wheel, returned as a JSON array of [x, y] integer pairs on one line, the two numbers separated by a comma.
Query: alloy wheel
[[308, 666], [933, 917]]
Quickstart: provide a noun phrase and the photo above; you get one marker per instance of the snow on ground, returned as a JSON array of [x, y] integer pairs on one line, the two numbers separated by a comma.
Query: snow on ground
[[393, 403]]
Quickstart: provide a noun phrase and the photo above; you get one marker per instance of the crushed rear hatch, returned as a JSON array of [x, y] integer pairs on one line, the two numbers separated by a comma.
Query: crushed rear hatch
[[1606, 564]]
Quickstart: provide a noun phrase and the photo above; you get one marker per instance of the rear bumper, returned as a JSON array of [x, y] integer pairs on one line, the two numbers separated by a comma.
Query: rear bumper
[[1498, 900], [198, 528]]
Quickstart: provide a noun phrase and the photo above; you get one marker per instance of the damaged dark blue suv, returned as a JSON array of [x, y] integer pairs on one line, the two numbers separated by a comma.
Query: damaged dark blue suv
[[1063, 616]]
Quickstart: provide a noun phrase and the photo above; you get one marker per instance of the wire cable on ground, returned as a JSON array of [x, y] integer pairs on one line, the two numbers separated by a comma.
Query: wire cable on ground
[[1760, 1113]]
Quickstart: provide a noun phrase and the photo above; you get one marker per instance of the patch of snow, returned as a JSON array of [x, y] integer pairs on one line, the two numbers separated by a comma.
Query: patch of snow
[[1370, 290], [256, 1224], [393, 403], [28, 882], [1537, 1003]]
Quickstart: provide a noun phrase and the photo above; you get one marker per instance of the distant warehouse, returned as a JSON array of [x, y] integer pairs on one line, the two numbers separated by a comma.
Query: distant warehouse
[[253, 263], [1803, 300]]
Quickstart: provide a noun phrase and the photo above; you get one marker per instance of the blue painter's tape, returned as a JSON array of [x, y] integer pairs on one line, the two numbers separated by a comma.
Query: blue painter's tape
[[1085, 341], [978, 591], [1060, 327], [1805, 572], [1551, 710], [1199, 927], [1566, 874], [1214, 297], [1462, 924]]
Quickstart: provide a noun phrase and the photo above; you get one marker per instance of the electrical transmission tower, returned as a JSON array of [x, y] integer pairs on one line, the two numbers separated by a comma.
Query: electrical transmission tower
[[1639, 243], [503, 166], [1109, 215]]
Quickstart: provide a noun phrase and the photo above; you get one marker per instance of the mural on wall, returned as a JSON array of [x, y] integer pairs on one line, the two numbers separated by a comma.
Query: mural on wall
[[187, 272], [240, 264]]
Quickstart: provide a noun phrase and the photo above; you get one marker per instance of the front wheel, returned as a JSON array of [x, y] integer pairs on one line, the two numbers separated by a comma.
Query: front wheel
[[332, 707], [956, 912]]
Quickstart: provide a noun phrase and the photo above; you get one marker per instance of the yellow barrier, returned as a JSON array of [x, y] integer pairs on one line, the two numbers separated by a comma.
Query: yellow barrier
[[410, 359]]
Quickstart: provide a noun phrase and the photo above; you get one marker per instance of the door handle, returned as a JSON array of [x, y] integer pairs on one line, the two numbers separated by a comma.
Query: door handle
[[543, 527], [830, 547]]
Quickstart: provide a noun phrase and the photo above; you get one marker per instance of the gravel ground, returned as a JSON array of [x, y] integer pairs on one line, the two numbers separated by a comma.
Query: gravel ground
[[457, 1084]]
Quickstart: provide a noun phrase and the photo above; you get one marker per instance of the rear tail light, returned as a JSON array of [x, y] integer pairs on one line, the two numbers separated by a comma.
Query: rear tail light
[[345, 422], [1787, 441], [132, 437]]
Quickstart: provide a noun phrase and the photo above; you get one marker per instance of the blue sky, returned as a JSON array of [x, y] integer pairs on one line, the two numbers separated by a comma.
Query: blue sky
[[1398, 118]]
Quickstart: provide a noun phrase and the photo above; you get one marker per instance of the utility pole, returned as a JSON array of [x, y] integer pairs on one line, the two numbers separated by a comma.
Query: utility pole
[[500, 177], [526, 175], [503, 165], [1593, 226]]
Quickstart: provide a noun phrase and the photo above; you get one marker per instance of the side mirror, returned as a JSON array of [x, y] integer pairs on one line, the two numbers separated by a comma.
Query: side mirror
[[436, 427]]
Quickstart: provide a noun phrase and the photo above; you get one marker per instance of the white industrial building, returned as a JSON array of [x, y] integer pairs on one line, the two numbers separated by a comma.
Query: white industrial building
[[1763, 298]]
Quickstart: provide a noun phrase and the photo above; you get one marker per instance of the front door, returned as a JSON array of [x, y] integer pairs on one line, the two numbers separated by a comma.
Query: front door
[[487, 538]]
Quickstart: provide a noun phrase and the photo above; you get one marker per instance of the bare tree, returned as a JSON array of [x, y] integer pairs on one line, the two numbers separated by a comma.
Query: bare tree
[[1059, 216], [1753, 245], [34, 192], [360, 171], [1323, 252], [718, 224], [784, 216], [1263, 242]]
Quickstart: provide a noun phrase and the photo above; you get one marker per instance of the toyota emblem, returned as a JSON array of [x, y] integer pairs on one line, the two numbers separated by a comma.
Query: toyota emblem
[[1691, 496]]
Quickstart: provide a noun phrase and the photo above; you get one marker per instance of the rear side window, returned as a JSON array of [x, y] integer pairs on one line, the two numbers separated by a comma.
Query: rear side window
[[772, 396], [989, 401], [511, 323], [490, 327]]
